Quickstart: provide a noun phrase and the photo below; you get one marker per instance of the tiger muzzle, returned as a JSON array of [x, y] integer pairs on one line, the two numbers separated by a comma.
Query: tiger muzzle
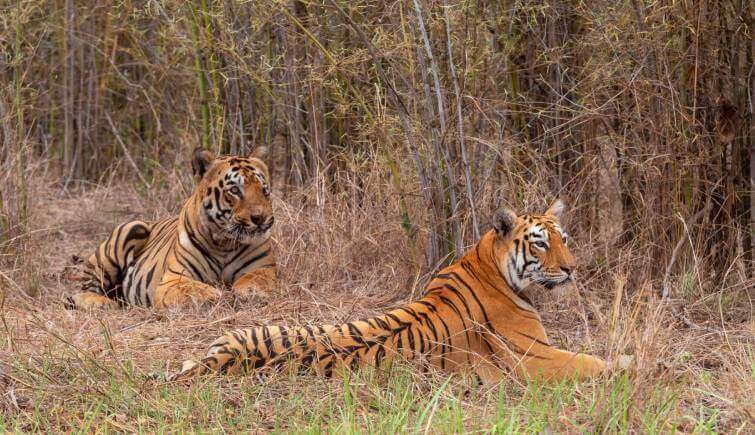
[[255, 224], [264, 224], [552, 282]]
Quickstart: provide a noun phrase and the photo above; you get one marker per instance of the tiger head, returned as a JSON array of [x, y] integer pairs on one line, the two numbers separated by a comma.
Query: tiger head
[[234, 196], [532, 248]]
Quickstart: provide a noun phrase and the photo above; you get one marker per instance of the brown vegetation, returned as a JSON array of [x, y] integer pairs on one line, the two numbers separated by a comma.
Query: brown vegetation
[[395, 128]]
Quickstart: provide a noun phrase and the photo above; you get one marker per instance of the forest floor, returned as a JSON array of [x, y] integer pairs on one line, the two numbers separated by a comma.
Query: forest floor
[[63, 370]]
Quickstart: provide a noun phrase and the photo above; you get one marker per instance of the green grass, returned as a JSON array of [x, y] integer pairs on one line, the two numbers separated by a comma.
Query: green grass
[[398, 401]]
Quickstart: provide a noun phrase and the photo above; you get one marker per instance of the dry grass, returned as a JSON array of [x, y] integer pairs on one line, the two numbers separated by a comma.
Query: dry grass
[[64, 370], [637, 113]]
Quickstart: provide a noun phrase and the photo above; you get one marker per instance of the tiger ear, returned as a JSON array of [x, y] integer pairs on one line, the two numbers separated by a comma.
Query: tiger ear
[[260, 152], [557, 209], [504, 221], [201, 161]]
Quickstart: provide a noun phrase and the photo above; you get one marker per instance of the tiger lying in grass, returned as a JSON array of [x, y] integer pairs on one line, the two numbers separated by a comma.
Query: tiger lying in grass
[[221, 235], [473, 315]]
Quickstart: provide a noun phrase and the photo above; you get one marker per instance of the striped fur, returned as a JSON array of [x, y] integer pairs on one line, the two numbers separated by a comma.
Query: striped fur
[[220, 236], [473, 315]]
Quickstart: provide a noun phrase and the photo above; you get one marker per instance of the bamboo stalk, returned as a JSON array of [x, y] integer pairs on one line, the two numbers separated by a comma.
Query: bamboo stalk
[[211, 57], [199, 71], [409, 135], [22, 200], [460, 125], [750, 14], [6, 223], [69, 155], [293, 105], [442, 150], [433, 65], [439, 236]]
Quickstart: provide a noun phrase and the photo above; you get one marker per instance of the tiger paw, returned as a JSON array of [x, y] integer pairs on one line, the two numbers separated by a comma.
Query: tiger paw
[[250, 292], [88, 301], [261, 282], [206, 293], [186, 294]]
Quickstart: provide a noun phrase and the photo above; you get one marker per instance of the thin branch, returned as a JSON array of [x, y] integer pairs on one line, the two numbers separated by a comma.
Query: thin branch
[[665, 287], [125, 151]]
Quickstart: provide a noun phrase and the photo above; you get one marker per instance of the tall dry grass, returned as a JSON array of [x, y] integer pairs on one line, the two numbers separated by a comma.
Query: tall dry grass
[[639, 113], [395, 129]]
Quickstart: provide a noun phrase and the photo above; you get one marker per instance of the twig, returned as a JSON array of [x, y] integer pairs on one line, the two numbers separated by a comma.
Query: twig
[[125, 151], [665, 289]]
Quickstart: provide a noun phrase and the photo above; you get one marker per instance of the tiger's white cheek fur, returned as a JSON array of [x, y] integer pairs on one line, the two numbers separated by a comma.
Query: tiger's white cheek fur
[[513, 266], [520, 261], [183, 239], [513, 276]]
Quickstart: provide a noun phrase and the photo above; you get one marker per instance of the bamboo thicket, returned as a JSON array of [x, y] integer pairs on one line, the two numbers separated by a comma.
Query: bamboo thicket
[[638, 114]]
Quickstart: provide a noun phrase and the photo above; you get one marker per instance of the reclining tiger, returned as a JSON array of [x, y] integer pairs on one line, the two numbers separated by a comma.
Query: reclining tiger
[[473, 315], [220, 236]]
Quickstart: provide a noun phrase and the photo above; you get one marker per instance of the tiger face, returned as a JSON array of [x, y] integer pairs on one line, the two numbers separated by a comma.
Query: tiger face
[[235, 196], [533, 248]]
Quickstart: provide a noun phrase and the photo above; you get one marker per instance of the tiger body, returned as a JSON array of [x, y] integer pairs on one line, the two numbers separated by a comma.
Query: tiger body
[[473, 316], [218, 238]]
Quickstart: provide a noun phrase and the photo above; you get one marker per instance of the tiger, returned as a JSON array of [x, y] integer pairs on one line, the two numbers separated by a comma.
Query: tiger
[[473, 315], [221, 237]]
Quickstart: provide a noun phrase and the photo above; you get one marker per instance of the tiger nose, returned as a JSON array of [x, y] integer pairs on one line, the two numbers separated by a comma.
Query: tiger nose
[[566, 270], [257, 219]]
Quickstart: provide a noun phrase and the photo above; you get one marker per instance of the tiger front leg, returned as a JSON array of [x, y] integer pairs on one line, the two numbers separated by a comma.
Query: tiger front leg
[[530, 355], [178, 290], [261, 281], [557, 364], [542, 361]]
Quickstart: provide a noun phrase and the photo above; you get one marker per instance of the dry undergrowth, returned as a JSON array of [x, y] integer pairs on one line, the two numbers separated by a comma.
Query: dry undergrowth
[[337, 262]]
